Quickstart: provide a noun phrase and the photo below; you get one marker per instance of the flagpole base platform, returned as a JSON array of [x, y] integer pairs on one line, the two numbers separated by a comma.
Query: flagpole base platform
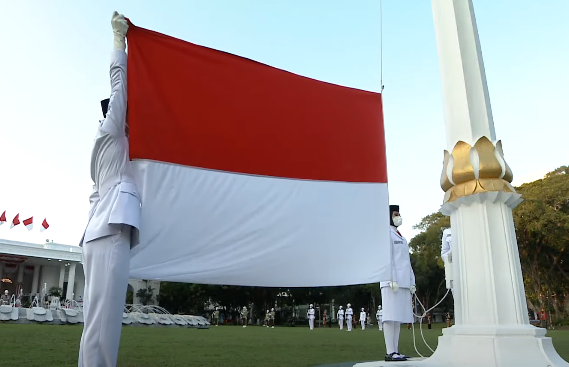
[[491, 346]]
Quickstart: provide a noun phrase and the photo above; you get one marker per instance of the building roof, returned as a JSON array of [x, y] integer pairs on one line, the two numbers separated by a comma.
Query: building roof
[[48, 250]]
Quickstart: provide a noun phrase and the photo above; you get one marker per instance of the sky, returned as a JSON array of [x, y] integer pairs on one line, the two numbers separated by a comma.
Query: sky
[[54, 69]]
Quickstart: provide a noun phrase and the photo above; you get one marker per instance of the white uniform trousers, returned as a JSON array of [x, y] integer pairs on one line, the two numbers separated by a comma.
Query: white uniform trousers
[[341, 322], [363, 323], [106, 263], [349, 323], [391, 336], [311, 323], [380, 323]]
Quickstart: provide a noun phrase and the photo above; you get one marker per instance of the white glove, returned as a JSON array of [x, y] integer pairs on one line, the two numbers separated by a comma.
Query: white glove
[[394, 286], [120, 27], [413, 289]]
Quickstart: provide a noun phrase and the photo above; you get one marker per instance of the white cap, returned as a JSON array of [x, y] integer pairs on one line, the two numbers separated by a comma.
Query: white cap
[[349, 305], [6, 291], [379, 307], [362, 308], [311, 305], [340, 307], [272, 309]]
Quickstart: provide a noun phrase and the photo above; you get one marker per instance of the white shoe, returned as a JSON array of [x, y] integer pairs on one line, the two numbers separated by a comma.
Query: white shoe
[[272, 327]]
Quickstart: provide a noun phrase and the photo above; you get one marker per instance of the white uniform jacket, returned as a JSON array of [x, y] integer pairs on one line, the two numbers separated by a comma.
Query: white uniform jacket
[[379, 314], [115, 199], [401, 270], [340, 314], [349, 313], [362, 316], [311, 313], [446, 246]]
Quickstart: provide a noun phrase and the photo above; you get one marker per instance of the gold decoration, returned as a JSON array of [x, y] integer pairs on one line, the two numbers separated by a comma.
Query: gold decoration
[[475, 170]]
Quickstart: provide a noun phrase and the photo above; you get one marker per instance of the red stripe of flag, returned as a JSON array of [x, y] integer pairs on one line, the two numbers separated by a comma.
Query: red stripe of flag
[[219, 111]]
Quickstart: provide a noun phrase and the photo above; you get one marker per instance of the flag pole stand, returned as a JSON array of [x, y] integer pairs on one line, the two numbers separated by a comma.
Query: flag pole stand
[[492, 326]]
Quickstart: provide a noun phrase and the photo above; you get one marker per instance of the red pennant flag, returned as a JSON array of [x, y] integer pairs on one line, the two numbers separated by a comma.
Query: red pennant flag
[[15, 221], [3, 218], [264, 161], [44, 225], [29, 223]]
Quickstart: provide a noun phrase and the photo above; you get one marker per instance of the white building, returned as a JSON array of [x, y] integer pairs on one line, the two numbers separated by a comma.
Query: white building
[[33, 267]]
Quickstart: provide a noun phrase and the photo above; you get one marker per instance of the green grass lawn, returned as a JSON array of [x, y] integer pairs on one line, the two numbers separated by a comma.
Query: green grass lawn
[[58, 345]]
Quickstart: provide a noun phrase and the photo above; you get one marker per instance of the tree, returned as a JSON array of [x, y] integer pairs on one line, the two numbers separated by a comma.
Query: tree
[[145, 295], [427, 262], [542, 231]]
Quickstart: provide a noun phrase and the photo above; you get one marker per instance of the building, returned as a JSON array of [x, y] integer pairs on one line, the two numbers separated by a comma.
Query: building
[[35, 268]]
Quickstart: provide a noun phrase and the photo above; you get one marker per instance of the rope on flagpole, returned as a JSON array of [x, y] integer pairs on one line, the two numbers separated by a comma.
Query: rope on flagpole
[[381, 44]]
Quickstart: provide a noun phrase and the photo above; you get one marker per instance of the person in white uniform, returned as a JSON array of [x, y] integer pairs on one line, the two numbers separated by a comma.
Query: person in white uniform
[[244, 315], [446, 255], [363, 319], [114, 219], [379, 317], [396, 292], [311, 316], [341, 317], [349, 316]]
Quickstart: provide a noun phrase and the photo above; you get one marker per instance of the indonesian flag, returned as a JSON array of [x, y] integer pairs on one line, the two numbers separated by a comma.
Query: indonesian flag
[[15, 221], [29, 223], [44, 225], [3, 218], [250, 175]]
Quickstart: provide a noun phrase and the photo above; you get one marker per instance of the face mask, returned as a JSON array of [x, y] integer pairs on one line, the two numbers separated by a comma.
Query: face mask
[[397, 221]]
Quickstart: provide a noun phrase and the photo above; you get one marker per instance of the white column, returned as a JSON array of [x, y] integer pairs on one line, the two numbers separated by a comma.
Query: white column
[[490, 304], [21, 273], [35, 280], [61, 276], [71, 281]]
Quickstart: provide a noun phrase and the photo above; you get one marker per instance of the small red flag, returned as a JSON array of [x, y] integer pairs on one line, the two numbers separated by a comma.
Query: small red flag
[[15, 221], [3, 218], [29, 223], [44, 225]]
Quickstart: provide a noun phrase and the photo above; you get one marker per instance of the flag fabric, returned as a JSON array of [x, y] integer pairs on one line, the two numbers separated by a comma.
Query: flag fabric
[[44, 225], [29, 223], [15, 221], [3, 218], [250, 175]]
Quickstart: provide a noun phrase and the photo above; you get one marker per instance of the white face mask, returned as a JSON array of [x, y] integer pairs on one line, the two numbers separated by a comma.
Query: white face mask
[[397, 221]]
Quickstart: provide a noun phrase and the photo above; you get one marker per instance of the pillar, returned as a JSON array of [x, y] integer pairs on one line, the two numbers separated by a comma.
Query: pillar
[[61, 276], [71, 281], [35, 280], [21, 273]]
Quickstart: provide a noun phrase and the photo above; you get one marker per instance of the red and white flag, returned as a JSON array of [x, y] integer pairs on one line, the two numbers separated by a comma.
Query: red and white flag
[[3, 218], [44, 225], [29, 223], [15, 221], [258, 177]]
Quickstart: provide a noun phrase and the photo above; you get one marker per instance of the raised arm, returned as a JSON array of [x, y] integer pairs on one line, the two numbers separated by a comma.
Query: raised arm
[[115, 120]]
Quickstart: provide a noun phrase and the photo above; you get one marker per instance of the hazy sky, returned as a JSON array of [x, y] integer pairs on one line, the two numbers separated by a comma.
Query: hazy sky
[[54, 70]]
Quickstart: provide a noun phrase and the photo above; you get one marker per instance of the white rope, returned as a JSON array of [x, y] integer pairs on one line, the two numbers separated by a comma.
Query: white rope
[[421, 317]]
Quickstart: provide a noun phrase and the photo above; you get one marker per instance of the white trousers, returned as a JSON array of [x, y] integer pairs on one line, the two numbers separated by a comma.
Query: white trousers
[[391, 336], [349, 323], [341, 323], [380, 324], [363, 323], [311, 323], [106, 264]]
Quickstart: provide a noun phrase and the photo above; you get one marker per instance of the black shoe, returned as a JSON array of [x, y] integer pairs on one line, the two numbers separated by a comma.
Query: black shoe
[[394, 357]]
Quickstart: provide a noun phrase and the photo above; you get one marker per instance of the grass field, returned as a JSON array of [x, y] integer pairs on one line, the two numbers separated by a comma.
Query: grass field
[[254, 346]]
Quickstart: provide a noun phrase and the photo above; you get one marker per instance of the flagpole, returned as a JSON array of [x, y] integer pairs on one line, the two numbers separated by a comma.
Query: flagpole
[[490, 303]]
